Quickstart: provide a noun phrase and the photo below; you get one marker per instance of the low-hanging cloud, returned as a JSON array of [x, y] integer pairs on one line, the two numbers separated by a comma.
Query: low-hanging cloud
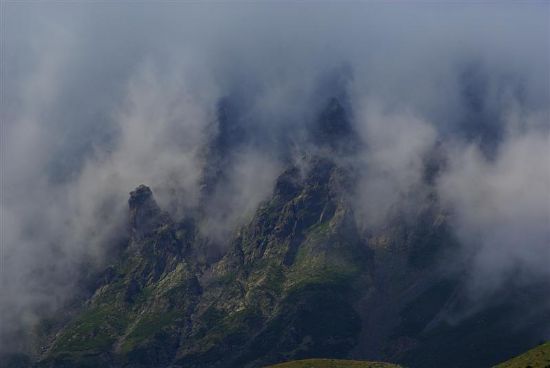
[[501, 211], [100, 98], [397, 144]]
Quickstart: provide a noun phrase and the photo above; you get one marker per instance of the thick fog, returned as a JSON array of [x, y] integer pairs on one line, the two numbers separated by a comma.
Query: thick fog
[[100, 97]]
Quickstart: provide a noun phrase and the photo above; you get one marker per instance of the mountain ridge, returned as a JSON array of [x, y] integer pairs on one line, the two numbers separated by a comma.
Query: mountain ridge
[[299, 279]]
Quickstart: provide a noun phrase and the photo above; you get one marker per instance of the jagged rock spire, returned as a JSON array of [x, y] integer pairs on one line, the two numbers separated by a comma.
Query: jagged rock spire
[[139, 196], [145, 214], [333, 129]]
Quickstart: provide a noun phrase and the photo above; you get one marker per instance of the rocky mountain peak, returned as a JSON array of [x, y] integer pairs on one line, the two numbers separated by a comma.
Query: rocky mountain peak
[[334, 130], [140, 196], [145, 214]]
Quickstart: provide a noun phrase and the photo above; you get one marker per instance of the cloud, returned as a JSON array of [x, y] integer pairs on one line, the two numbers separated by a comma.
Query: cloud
[[100, 98], [57, 218], [249, 181], [397, 144], [501, 211]]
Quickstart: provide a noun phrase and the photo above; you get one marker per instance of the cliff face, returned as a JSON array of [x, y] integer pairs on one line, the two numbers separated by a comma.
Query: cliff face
[[299, 280], [285, 289]]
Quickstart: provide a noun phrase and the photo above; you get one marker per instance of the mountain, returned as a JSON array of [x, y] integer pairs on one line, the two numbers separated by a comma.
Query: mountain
[[291, 267], [538, 357], [300, 279]]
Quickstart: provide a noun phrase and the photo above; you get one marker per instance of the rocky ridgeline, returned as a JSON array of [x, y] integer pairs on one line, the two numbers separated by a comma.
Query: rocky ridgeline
[[299, 280]]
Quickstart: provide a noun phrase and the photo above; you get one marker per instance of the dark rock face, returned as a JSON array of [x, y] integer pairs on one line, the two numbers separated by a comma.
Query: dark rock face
[[333, 130], [229, 136], [287, 273], [145, 214], [481, 119], [142, 194]]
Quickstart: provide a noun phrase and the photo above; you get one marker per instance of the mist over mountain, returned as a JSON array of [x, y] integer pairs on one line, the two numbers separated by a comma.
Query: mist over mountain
[[249, 167]]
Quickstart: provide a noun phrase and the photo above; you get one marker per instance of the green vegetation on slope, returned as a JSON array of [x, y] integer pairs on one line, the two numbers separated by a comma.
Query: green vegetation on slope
[[333, 363], [538, 357]]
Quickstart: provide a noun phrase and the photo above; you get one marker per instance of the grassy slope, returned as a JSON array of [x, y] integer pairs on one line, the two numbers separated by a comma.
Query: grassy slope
[[538, 357], [333, 363]]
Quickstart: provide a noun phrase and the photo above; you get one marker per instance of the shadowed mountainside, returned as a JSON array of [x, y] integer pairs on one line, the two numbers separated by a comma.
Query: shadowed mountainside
[[299, 279]]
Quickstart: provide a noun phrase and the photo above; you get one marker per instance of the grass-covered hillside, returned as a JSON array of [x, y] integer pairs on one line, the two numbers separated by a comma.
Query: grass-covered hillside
[[538, 357], [333, 363]]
